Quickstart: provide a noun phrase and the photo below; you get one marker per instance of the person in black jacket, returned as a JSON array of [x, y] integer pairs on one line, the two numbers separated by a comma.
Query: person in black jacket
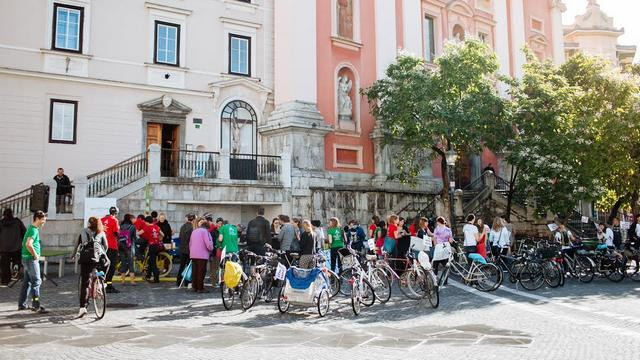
[[63, 190], [258, 233], [185, 235], [11, 233]]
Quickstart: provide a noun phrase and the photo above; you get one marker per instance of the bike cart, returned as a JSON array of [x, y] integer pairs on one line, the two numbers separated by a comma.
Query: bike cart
[[305, 287]]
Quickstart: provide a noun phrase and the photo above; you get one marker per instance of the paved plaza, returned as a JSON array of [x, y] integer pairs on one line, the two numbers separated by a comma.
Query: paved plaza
[[586, 321]]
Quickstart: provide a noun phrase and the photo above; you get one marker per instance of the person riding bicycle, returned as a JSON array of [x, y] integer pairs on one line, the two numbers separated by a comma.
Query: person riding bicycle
[[152, 234], [91, 252]]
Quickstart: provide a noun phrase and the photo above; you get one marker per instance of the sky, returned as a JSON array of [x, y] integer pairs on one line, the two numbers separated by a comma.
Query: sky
[[625, 14]]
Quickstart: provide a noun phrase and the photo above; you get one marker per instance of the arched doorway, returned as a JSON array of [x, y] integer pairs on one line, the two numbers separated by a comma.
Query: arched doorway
[[239, 137]]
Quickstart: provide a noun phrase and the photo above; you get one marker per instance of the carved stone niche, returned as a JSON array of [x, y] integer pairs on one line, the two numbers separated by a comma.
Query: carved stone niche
[[346, 100]]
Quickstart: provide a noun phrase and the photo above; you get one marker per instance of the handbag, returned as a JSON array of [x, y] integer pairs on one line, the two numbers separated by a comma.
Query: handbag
[[188, 271]]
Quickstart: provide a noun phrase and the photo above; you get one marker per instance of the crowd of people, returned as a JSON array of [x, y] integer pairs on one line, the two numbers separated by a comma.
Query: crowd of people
[[107, 241]]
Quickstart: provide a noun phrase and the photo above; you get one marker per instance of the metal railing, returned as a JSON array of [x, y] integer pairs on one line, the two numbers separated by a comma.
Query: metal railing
[[266, 168], [23, 203], [190, 164], [117, 176]]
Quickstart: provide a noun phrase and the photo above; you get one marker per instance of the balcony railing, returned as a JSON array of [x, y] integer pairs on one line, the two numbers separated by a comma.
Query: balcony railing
[[190, 164], [27, 201], [266, 168], [117, 176]]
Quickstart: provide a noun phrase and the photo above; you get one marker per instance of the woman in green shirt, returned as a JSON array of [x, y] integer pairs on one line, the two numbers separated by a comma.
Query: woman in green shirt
[[335, 237]]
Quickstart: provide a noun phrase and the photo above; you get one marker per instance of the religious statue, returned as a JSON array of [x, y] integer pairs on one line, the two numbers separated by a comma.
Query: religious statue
[[235, 133], [345, 107]]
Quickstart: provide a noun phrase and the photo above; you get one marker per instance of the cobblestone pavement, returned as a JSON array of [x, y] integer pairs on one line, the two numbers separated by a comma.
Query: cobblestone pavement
[[586, 321]]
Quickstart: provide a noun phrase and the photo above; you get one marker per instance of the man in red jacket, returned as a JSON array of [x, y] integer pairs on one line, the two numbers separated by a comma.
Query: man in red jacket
[[111, 229]]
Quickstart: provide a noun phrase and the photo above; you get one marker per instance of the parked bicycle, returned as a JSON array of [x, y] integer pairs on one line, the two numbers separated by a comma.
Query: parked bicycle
[[419, 280], [232, 280], [362, 292], [164, 261], [483, 276]]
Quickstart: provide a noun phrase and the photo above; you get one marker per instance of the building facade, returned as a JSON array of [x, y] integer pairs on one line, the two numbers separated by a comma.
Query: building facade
[[594, 33], [260, 97]]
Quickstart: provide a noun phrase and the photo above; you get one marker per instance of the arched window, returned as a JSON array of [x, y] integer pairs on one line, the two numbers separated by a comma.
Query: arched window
[[239, 128]]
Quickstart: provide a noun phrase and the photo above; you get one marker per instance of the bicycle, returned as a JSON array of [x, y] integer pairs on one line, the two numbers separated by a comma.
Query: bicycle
[[362, 292], [633, 272], [227, 293], [420, 279], [485, 277], [611, 265], [96, 292], [164, 262]]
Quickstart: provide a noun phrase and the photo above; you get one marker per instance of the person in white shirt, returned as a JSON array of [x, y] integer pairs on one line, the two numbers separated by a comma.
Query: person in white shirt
[[605, 235], [471, 235], [500, 238]]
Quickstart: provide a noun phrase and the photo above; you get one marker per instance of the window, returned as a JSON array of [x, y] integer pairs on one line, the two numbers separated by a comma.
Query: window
[[167, 44], [429, 39], [67, 28], [537, 25], [62, 121], [344, 11], [239, 128], [239, 55]]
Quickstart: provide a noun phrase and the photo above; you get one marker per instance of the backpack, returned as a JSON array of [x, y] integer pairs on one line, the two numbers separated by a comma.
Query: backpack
[[124, 238]]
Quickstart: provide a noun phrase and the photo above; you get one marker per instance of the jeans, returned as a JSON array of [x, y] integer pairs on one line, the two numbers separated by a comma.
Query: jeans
[[30, 283], [126, 262], [7, 259], [336, 260], [153, 265], [112, 254]]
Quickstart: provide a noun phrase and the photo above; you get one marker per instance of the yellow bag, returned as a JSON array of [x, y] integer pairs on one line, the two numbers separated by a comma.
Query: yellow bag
[[232, 274]]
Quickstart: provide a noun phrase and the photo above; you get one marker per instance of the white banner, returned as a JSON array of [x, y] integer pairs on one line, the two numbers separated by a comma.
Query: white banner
[[98, 207], [281, 272]]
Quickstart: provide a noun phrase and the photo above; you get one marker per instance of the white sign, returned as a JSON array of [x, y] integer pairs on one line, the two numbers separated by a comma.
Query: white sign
[[371, 243], [417, 244], [281, 272], [552, 227], [625, 225], [98, 207], [585, 219]]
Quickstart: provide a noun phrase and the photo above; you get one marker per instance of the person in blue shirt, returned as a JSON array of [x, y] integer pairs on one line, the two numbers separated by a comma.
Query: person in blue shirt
[[356, 236]]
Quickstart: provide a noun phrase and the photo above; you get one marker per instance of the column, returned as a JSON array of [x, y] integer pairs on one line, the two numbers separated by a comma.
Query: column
[[412, 26], [225, 168], [385, 18], [155, 163], [557, 8], [517, 36], [501, 40], [79, 195], [295, 51], [52, 210], [285, 174]]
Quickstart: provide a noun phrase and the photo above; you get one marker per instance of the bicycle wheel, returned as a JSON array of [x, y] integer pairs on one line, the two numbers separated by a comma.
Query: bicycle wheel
[[406, 288], [249, 293], [368, 296], [268, 289], [552, 273], [99, 298], [487, 277], [345, 276], [228, 296], [443, 277], [381, 285], [323, 303], [531, 276], [432, 293], [617, 272], [632, 271], [164, 263], [335, 282], [283, 304], [584, 269], [417, 285], [355, 298]]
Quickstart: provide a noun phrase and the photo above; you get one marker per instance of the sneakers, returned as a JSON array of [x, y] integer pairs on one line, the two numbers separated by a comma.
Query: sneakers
[[82, 312]]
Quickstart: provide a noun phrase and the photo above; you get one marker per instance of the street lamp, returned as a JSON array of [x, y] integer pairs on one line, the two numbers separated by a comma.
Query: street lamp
[[451, 156]]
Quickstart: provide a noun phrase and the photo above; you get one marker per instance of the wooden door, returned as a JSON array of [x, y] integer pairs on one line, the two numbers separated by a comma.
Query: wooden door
[[154, 134]]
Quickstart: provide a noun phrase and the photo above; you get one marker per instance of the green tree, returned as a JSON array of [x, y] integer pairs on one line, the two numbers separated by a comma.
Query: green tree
[[430, 110], [548, 154], [608, 117]]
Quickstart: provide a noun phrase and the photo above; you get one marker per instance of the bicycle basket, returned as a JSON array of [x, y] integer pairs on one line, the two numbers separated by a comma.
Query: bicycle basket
[[547, 252]]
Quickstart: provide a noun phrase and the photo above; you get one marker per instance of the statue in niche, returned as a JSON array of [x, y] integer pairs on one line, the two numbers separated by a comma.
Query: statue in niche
[[345, 107], [458, 33], [345, 18], [235, 132]]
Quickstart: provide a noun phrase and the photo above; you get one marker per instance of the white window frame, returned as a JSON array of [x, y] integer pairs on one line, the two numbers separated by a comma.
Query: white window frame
[[436, 32], [242, 28], [248, 41], [86, 26], [66, 106], [170, 15]]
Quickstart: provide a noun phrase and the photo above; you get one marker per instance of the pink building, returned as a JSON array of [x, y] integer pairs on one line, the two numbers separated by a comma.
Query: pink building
[[326, 51]]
